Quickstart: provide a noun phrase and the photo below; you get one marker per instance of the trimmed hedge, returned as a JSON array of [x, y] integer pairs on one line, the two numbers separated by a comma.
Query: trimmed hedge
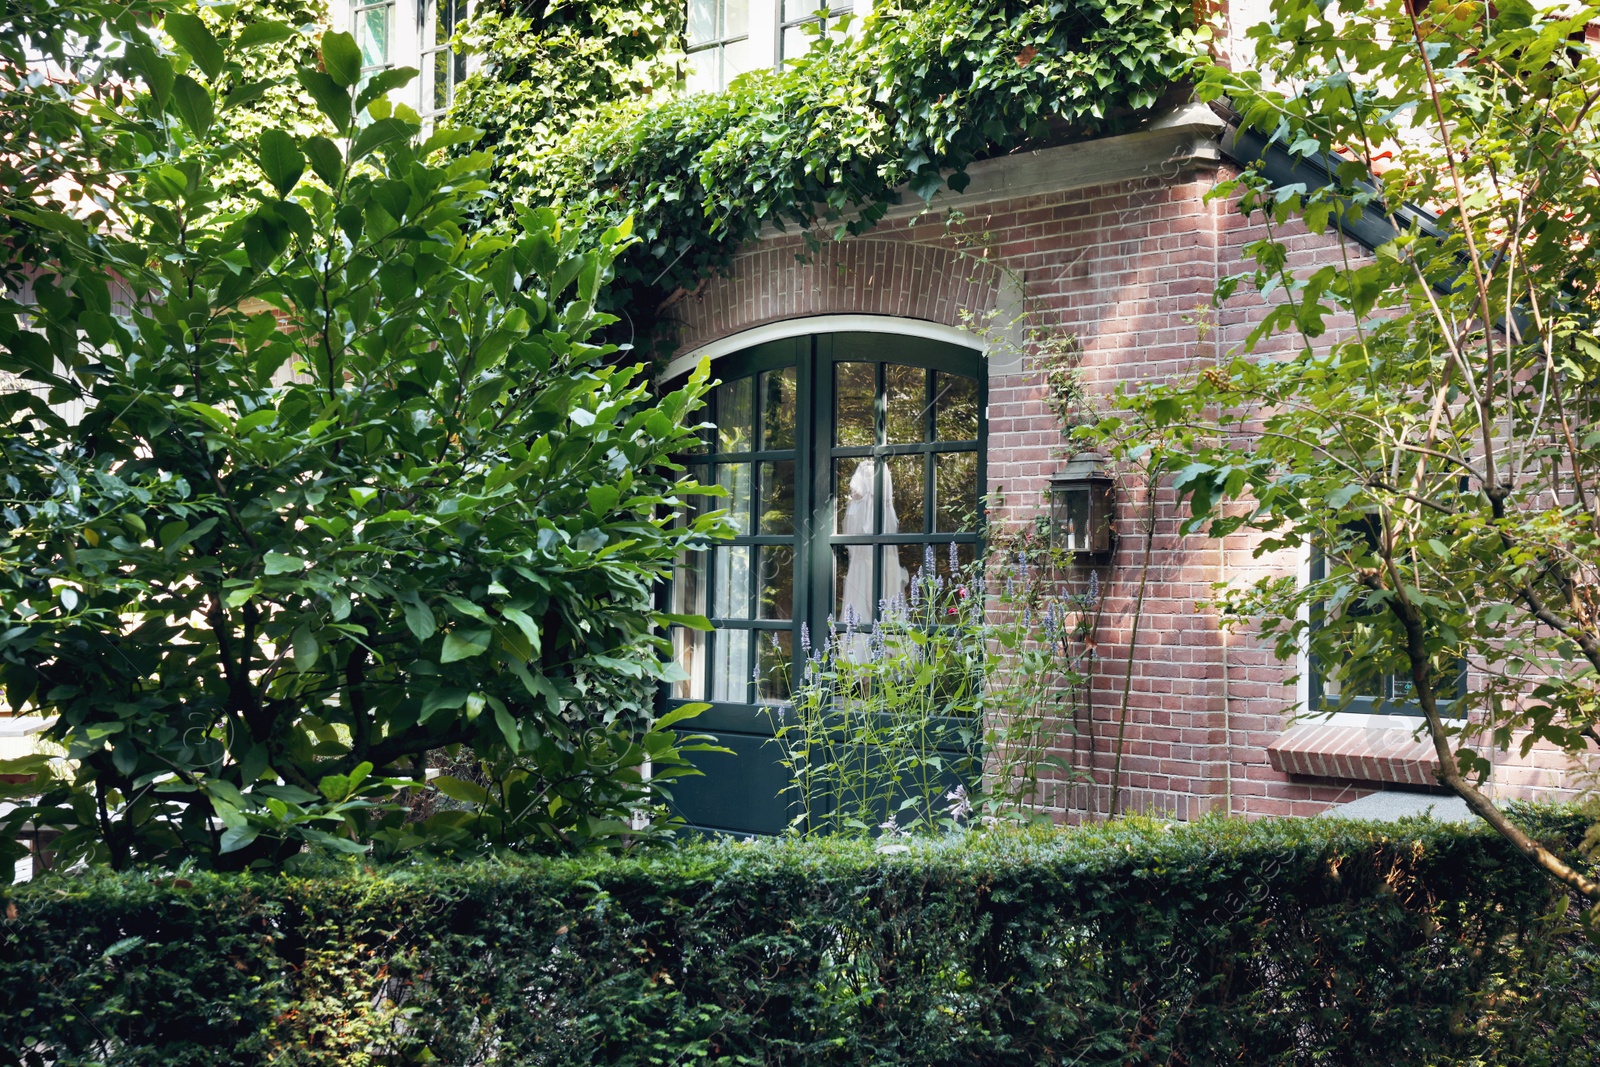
[[1296, 942]]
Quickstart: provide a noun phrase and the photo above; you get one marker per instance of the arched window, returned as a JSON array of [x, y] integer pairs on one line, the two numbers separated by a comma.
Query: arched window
[[849, 459]]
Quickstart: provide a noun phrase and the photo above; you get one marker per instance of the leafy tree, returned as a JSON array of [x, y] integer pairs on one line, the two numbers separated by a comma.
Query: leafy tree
[[1430, 430], [300, 491]]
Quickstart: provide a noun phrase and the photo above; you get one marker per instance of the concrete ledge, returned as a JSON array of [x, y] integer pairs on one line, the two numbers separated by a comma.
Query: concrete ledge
[[1362, 754]]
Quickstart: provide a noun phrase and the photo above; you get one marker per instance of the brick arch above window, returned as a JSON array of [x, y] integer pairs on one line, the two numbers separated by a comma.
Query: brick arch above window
[[900, 279]]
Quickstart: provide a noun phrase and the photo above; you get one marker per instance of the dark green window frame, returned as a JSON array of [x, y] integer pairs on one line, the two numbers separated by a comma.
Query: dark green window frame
[[951, 394]]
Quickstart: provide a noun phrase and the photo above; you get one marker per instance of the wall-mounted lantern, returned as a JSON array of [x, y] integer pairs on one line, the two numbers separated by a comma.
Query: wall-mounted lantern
[[1080, 506]]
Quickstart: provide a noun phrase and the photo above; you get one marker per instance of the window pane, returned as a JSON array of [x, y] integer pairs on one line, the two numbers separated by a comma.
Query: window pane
[[735, 60], [702, 76], [736, 18], [777, 498], [735, 416], [902, 487], [688, 584], [702, 21], [730, 669], [906, 403], [777, 582], [795, 43], [779, 405], [441, 79], [735, 478], [855, 496], [855, 412], [955, 492], [372, 35], [689, 650], [855, 591], [908, 560], [776, 664], [896, 584], [730, 594], [799, 9], [955, 407]]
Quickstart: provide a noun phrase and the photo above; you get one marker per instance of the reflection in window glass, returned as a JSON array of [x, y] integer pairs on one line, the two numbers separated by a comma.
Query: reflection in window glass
[[443, 68], [855, 496], [905, 404], [777, 582], [777, 498], [731, 668], [803, 20], [730, 589], [779, 407], [775, 653], [855, 404], [718, 40], [688, 651], [955, 492], [735, 416], [735, 478], [903, 489], [955, 407], [374, 24]]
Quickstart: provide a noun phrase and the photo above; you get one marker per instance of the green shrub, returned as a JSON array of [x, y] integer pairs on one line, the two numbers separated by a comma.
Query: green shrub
[[1220, 942]]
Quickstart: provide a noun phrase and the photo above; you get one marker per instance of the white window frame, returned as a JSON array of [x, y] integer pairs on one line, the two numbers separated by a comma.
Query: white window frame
[[766, 29], [406, 47]]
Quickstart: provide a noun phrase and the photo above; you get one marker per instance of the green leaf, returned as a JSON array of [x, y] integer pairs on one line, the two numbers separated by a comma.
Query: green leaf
[[305, 649], [463, 644], [460, 790], [193, 37], [508, 727], [265, 31], [377, 134], [341, 58], [333, 100], [419, 617], [279, 563], [382, 82], [280, 160], [326, 160], [445, 699], [193, 104]]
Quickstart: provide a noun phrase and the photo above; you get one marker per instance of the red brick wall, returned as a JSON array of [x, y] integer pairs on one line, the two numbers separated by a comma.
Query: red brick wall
[[1128, 271]]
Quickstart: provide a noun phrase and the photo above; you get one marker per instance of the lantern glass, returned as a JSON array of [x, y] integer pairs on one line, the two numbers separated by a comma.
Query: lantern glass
[[1070, 517], [1080, 506]]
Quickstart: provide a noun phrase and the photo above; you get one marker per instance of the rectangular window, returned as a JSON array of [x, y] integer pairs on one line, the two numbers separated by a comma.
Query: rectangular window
[[802, 20], [443, 68], [373, 24], [718, 41], [1371, 692]]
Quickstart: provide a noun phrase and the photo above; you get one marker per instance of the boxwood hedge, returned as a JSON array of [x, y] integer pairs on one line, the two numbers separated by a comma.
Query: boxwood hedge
[[1305, 942]]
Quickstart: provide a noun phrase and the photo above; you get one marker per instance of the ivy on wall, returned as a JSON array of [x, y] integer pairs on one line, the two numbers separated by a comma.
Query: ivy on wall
[[915, 94]]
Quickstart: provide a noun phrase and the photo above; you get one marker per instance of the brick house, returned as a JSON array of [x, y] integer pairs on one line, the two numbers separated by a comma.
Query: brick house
[[1111, 242]]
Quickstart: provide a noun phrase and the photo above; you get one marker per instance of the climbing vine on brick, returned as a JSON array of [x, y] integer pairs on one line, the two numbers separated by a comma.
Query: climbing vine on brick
[[911, 96]]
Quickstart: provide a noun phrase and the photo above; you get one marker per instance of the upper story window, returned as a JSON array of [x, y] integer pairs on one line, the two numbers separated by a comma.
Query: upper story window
[[726, 38], [373, 28], [803, 19], [412, 33], [443, 68], [719, 43]]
